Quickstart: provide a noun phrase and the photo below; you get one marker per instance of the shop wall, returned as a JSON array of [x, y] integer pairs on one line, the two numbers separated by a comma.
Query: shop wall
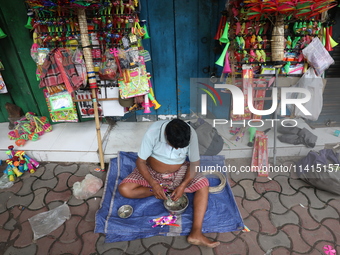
[[19, 73]]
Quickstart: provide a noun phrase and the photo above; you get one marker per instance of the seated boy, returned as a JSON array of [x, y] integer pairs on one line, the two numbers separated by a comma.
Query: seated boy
[[161, 160]]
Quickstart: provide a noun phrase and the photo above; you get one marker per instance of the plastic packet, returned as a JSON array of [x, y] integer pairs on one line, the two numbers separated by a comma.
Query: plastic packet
[[108, 68], [5, 183], [317, 56], [42, 54], [44, 223], [126, 43], [87, 187], [134, 55], [79, 63], [123, 59]]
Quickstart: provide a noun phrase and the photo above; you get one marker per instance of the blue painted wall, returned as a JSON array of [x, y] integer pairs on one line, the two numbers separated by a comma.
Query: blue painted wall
[[181, 46]]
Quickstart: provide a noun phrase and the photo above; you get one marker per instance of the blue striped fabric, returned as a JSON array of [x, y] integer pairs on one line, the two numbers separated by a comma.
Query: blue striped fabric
[[222, 214]]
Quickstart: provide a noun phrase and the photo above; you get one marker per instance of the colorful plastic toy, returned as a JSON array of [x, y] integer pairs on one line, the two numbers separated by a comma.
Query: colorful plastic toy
[[18, 163], [165, 220]]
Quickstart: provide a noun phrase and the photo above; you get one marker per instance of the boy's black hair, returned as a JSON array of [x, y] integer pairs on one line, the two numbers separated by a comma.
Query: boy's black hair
[[178, 133]]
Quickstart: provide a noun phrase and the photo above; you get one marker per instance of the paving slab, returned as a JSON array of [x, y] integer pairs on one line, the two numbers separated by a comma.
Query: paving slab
[[320, 214], [289, 217], [298, 244], [269, 242], [275, 202]]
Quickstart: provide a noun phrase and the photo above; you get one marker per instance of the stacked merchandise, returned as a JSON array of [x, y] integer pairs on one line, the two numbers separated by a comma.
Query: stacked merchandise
[[29, 128], [18, 163], [266, 39], [113, 33]]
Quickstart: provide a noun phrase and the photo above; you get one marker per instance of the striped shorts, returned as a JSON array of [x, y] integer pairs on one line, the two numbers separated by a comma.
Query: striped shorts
[[170, 181]]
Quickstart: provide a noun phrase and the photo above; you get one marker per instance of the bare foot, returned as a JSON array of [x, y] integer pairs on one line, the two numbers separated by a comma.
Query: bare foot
[[201, 240]]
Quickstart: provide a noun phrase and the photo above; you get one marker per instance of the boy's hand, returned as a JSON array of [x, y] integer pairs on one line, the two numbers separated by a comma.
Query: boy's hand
[[177, 193], [158, 192]]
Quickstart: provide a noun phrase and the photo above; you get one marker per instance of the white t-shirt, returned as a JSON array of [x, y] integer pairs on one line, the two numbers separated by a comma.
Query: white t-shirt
[[154, 144]]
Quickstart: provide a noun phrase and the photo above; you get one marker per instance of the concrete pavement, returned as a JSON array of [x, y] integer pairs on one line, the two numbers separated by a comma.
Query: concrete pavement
[[285, 216]]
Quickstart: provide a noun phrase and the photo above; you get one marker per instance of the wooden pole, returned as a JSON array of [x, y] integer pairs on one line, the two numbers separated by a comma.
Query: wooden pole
[[85, 42], [278, 39]]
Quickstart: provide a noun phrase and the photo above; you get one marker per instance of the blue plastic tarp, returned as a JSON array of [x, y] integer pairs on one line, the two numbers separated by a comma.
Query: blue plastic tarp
[[222, 214]]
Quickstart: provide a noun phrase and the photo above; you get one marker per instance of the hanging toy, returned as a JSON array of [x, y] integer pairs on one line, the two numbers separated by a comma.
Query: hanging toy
[[296, 40], [218, 32], [30, 15], [261, 29], [286, 68], [295, 27], [146, 104], [2, 34], [253, 42], [226, 67], [263, 55], [237, 56], [238, 43], [238, 28], [258, 56], [289, 42], [242, 43], [327, 41], [300, 57], [243, 28], [245, 57], [309, 29], [252, 55], [151, 94], [259, 41], [304, 28]]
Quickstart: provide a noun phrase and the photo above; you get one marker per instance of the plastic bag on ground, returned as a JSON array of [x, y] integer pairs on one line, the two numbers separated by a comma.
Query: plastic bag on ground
[[4, 182], [44, 223], [87, 187]]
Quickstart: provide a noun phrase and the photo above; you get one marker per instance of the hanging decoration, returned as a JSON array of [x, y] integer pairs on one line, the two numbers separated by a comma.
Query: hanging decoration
[[303, 9], [112, 52], [264, 39], [81, 47]]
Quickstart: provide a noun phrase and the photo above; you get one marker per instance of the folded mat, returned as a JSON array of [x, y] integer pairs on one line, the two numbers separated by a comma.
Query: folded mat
[[222, 214]]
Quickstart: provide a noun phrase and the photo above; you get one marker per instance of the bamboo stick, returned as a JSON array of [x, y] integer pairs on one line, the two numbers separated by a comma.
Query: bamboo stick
[[85, 42]]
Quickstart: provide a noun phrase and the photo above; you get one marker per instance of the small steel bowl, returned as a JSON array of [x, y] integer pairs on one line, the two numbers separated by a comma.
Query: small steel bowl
[[125, 211]]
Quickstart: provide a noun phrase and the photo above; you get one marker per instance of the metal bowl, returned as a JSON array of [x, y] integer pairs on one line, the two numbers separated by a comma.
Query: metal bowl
[[177, 208], [125, 211]]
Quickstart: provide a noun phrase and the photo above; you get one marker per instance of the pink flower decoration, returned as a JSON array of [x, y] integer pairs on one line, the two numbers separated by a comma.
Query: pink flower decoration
[[329, 250]]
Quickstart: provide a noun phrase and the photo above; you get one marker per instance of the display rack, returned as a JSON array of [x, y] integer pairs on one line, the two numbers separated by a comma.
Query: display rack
[[269, 34], [108, 36]]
